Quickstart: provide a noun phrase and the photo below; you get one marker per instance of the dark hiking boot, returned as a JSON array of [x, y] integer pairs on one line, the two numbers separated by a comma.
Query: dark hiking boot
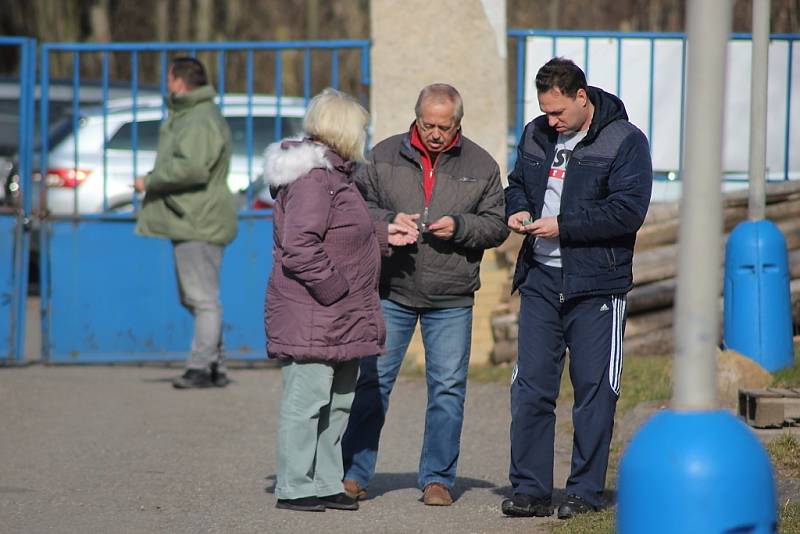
[[193, 378], [573, 506], [219, 378], [303, 504], [522, 505], [340, 501]]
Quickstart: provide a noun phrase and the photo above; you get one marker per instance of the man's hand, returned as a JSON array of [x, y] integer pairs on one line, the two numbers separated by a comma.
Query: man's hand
[[407, 220], [515, 222], [443, 228], [138, 184], [400, 235], [546, 227]]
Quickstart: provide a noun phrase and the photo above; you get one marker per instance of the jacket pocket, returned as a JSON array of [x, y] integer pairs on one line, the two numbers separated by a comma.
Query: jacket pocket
[[174, 207], [594, 163]]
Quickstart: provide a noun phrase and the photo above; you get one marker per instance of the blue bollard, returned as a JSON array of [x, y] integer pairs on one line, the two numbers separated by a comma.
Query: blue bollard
[[696, 472], [758, 304]]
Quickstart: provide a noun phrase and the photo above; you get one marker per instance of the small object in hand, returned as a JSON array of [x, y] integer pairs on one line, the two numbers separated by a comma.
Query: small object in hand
[[526, 222]]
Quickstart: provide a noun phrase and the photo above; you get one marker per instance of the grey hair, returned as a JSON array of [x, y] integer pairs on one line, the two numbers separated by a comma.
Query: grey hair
[[338, 120], [441, 92]]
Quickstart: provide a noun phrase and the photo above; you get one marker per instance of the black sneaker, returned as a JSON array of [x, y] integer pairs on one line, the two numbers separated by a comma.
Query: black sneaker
[[303, 504], [219, 378], [573, 506], [522, 505], [193, 378], [340, 501]]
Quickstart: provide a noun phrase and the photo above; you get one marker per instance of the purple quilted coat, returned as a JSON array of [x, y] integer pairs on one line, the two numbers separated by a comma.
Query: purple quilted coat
[[322, 299]]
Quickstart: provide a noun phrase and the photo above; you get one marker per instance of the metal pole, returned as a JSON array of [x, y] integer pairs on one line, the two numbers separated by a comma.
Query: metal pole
[[758, 109], [700, 236]]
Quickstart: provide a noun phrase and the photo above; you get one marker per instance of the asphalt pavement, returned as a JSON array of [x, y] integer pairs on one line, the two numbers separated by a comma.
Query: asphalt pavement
[[115, 449]]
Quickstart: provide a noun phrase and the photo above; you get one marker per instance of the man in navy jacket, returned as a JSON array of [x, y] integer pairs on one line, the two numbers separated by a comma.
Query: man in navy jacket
[[579, 191]]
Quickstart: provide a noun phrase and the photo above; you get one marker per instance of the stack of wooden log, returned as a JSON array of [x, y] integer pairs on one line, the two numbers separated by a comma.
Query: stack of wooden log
[[649, 326]]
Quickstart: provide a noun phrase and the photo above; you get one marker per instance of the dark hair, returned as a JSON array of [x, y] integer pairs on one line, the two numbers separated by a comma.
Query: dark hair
[[190, 70], [563, 74]]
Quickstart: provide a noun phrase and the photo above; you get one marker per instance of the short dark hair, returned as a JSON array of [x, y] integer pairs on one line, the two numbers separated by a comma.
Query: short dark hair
[[562, 74], [190, 70]]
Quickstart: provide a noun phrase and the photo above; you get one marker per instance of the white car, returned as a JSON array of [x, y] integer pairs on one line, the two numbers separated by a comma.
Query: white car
[[96, 173]]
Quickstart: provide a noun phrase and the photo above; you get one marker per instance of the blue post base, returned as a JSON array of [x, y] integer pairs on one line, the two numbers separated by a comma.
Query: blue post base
[[703, 472]]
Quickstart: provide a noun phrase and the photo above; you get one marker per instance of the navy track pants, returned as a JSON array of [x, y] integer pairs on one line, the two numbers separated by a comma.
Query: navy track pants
[[592, 328]]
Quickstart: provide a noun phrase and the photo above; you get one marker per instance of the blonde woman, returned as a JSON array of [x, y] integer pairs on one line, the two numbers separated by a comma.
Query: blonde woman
[[322, 311]]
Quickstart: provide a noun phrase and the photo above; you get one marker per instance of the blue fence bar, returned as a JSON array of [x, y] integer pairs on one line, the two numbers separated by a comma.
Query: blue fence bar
[[105, 129], [14, 220], [649, 119], [787, 127], [335, 68]]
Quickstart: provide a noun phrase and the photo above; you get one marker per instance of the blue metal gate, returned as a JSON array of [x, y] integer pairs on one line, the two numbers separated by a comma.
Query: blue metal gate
[[111, 296], [14, 212]]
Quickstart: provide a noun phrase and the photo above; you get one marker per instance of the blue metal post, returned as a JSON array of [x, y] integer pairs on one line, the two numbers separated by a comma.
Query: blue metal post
[[335, 68], [134, 121], [249, 126], [221, 78], [278, 95], [76, 91], [104, 76], [520, 96], [650, 91], [586, 57], [162, 81], [27, 74], [306, 75], [44, 248], [619, 67], [787, 125], [683, 104]]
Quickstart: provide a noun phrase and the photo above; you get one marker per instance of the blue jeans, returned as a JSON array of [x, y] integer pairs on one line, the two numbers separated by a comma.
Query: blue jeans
[[446, 334]]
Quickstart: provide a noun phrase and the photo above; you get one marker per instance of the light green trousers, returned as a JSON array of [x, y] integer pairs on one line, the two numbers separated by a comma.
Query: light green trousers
[[315, 405]]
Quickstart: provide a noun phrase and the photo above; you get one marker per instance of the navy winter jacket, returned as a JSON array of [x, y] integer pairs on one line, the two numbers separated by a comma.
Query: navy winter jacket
[[603, 203]]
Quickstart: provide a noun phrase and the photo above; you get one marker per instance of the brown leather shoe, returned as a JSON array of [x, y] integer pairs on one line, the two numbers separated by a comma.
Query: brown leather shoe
[[354, 490], [436, 494]]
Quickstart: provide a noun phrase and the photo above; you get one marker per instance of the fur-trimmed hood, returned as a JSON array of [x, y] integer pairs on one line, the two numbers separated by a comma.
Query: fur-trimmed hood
[[287, 160]]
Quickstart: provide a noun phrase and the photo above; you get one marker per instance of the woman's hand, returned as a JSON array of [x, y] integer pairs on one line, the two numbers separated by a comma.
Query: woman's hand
[[401, 235]]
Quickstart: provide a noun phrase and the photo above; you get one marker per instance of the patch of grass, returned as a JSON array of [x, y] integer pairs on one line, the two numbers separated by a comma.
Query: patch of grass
[[789, 377], [784, 451], [789, 520], [645, 378], [601, 522], [492, 373]]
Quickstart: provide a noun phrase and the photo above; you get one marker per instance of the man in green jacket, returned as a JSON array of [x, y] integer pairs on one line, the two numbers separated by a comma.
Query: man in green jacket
[[188, 201]]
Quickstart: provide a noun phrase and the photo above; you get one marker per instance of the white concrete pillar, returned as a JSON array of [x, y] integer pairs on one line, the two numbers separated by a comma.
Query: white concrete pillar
[[460, 42]]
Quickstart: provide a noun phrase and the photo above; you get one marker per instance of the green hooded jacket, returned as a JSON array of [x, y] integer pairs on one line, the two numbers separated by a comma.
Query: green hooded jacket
[[187, 195]]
